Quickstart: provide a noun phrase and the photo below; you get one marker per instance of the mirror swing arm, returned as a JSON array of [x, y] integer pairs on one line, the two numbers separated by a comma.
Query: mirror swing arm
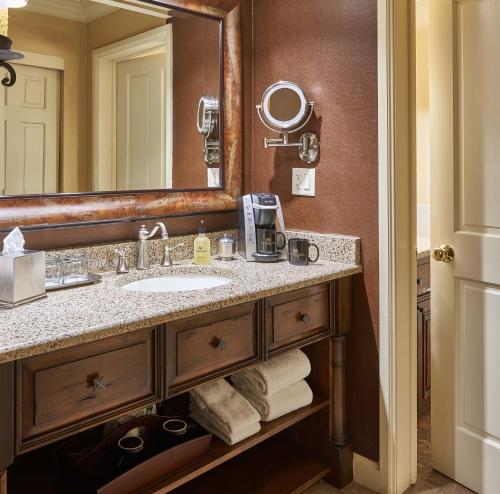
[[308, 143], [207, 123]]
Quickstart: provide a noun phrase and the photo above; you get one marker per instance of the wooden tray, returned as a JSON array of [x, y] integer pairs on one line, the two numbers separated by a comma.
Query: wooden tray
[[95, 467]]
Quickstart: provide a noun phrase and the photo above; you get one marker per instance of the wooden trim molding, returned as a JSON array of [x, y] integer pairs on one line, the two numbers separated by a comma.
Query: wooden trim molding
[[397, 231], [44, 211]]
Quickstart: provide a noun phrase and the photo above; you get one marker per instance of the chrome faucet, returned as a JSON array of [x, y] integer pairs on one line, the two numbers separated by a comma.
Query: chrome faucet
[[167, 255], [144, 236]]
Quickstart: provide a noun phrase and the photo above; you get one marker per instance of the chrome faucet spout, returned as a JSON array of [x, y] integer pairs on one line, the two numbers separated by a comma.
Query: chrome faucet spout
[[144, 235]]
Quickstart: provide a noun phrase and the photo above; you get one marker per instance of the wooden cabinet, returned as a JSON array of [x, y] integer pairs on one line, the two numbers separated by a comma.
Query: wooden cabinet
[[61, 391], [423, 335], [202, 347], [292, 318], [65, 392]]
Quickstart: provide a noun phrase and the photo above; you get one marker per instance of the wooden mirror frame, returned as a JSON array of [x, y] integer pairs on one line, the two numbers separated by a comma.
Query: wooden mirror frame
[[115, 215]]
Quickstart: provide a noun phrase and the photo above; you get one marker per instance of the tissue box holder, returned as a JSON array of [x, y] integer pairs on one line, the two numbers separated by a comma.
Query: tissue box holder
[[22, 278]]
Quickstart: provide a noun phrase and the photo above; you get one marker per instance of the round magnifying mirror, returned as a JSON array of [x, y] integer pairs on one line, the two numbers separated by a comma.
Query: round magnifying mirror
[[284, 105], [208, 109]]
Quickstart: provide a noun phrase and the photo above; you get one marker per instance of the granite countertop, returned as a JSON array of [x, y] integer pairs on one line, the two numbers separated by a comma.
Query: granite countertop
[[80, 315]]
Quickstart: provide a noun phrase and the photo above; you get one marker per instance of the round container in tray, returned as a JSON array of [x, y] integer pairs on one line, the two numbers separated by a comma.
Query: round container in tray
[[106, 469]]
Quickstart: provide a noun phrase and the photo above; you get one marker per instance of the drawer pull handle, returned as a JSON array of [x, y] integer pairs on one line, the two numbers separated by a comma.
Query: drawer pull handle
[[305, 318], [219, 344], [99, 384], [420, 281]]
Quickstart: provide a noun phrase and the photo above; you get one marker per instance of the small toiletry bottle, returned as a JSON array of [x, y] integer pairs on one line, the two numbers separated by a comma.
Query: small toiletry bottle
[[202, 249]]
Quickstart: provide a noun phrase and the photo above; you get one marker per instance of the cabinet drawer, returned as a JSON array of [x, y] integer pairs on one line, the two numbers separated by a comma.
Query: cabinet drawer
[[423, 277], [68, 387], [297, 316], [203, 346]]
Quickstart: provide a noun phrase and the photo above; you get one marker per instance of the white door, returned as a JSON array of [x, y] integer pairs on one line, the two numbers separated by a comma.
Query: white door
[[465, 200], [29, 133], [140, 124]]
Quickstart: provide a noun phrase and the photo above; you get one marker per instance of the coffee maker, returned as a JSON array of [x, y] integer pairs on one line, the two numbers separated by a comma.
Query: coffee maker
[[262, 228]]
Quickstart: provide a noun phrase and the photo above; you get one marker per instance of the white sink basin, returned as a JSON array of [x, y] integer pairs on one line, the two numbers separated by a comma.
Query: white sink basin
[[177, 283]]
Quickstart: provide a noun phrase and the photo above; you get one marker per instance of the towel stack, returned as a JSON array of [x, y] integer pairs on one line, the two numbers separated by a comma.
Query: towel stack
[[276, 387], [221, 410]]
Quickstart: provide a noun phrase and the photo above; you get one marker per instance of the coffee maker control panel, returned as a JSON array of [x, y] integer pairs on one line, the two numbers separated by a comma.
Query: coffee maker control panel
[[250, 244]]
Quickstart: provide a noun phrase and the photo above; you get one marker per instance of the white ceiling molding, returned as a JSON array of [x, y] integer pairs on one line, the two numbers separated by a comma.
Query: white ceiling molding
[[75, 10], [137, 6], [89, 10]]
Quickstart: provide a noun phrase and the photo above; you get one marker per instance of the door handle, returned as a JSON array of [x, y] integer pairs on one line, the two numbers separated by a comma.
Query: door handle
[[444, 253]]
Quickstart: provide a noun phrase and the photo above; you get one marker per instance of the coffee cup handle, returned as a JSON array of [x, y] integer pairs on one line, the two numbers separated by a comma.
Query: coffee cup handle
[[278, 234], [317, 253]]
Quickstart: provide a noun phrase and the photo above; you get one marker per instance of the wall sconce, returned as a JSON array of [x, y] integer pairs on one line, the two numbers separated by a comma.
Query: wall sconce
[[6, 54]]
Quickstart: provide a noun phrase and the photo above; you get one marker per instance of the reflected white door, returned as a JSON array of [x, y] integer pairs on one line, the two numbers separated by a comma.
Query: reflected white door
[[29, 158], [140, 124], [465, 198]]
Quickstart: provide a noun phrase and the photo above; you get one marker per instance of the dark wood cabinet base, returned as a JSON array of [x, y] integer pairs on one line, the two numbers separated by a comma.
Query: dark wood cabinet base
[[3, 482], [286, 456], [423, 335]]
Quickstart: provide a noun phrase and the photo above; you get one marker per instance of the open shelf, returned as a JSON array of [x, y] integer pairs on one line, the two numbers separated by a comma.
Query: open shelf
[[275, 467], [220, 452]]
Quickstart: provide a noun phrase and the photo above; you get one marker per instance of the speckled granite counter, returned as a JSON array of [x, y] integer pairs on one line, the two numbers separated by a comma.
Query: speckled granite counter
[[71, 317]]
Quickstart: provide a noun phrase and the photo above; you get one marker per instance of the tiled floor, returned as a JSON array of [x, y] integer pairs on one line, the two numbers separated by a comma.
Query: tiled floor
[[323, 488], [429, 481]]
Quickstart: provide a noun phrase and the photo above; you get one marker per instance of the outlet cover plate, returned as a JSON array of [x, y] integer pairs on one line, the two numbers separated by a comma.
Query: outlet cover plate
[[304, 182], [213, 177]]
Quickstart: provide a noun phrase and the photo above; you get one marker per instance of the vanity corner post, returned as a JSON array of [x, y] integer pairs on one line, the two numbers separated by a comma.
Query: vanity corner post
[[6, 422], [341, 308], [160, 362]]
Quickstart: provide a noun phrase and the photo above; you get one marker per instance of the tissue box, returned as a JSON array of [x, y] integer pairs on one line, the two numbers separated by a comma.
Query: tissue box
[[22, 278]]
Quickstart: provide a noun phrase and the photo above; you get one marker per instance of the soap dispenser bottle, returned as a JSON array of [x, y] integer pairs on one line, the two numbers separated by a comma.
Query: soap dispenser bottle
[[202, 251]]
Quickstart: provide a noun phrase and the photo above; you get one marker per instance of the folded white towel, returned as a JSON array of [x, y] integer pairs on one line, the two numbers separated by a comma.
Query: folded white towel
[[233, 437], [276, 374], [287, 400], [224, 407]]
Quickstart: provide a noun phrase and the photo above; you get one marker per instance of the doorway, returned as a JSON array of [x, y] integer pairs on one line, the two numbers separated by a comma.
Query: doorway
[[464, 74], [457, 125], [129, 76], [29, 128]]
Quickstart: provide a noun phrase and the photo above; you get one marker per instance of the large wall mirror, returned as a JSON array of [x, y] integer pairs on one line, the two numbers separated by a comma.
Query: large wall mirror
[[112, 95]]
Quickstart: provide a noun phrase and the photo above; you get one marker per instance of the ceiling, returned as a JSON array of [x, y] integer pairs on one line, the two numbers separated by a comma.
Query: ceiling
[[75, 10]]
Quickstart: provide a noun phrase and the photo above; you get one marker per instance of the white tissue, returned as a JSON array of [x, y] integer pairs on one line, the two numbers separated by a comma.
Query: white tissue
[[13, 243]]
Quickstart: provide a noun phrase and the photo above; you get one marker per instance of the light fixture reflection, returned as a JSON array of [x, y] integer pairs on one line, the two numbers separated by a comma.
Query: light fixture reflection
[[6, 54], [12, 4]]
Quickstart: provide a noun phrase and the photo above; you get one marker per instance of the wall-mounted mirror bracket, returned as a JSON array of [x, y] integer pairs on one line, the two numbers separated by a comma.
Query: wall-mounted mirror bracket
[[208, 126], [284, 109]]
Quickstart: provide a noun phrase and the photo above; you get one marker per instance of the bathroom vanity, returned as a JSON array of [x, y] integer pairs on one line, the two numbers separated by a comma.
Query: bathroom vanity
[[106, 352], [81, 358]]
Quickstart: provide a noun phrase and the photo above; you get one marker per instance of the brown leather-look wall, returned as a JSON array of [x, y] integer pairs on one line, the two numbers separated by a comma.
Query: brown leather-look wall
[[196, 73], [329, 47]]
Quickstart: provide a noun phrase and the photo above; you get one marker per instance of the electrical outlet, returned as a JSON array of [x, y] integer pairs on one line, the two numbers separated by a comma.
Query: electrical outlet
[[304, 182]]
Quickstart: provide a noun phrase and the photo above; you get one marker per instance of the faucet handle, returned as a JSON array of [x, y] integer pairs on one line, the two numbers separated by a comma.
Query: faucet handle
[[122, 266], [167, 255]]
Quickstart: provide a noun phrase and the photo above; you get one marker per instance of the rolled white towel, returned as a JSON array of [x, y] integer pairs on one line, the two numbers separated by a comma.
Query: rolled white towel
[[224, 407], [276, 374], [287, 400], [233, 437]]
